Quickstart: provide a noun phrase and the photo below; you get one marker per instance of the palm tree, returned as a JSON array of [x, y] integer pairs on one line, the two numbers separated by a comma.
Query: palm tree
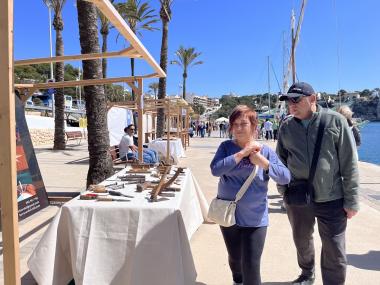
[[154, 87], [59, 99], [105, 26], [100, 165], [165, 15], [186, 58], [139, 16]]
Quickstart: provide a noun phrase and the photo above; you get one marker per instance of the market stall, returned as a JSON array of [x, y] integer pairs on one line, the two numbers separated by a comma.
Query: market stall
[[8, 175], [131, 240]]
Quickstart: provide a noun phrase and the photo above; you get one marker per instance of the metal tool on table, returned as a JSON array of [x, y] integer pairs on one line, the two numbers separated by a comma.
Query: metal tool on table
[[117, 193], [110, 199]]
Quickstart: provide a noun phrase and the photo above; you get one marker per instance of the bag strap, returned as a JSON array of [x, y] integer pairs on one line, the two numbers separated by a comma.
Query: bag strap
[[246, 184], [317, 148]]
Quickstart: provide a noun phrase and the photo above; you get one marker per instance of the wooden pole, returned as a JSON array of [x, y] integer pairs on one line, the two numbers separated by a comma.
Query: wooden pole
[[178, 123], [8, 191], [168, 133], [140, 112]]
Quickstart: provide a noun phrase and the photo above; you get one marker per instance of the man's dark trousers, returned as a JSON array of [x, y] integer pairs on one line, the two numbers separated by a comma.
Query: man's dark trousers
[[332, 222]]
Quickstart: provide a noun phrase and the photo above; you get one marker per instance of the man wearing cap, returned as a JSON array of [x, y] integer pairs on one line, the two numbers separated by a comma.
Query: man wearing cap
[[334, 188]]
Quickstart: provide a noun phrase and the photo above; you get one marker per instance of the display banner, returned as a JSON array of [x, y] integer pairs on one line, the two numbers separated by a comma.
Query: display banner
[[31, 193]]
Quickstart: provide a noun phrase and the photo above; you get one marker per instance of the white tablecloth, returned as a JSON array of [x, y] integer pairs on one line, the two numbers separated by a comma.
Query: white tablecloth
[[175, 149], [136, 243]]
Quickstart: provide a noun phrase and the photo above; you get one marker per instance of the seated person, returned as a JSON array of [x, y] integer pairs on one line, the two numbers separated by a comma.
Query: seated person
[[128, 150], [191, 132]]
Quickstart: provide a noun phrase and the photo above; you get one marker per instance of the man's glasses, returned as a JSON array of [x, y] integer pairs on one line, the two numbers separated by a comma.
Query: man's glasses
[[295, 100]]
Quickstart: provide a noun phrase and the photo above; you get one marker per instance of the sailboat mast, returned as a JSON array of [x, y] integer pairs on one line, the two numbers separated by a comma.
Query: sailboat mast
[[268, 86], [293, 57]]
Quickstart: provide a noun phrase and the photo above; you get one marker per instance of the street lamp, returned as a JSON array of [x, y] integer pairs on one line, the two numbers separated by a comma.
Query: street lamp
[[49, 5]]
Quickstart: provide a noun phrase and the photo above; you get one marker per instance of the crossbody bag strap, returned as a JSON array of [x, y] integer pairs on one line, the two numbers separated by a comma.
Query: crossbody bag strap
[[317, 148], [246, 184]]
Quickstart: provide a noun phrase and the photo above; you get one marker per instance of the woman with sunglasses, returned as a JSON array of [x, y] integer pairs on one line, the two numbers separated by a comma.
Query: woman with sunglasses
[[233, 162]]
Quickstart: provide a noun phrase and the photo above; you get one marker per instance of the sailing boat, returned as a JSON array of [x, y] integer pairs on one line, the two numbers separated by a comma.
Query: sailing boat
[[281, 108]]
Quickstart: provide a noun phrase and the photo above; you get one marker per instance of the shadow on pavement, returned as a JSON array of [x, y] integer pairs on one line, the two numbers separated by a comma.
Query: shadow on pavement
[[50, 149], [276, 283], [84, 160], [276, 211], [274, 196], [369, 261]]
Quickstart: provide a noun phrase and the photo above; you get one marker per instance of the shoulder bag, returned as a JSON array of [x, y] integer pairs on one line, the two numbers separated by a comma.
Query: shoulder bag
[[222, 212]]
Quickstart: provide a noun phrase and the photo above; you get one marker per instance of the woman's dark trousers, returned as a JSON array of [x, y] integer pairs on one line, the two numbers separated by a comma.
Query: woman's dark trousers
[[245, 246]]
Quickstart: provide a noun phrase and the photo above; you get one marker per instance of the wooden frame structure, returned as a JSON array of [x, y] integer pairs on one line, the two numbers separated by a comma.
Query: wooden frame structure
[[173, 108], [7, 113]]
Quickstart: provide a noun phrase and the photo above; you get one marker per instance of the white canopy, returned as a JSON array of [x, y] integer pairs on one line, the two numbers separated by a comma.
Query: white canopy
[[221, 119]]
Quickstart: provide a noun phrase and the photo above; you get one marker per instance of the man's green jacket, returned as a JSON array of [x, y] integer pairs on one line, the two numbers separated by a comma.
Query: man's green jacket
[[337, 173]]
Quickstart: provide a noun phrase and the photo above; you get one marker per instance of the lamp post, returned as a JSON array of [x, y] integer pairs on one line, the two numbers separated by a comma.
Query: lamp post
[[51, 42], [51, 55]]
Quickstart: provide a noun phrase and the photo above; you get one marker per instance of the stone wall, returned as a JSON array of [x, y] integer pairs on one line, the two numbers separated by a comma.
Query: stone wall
[[42, 136]]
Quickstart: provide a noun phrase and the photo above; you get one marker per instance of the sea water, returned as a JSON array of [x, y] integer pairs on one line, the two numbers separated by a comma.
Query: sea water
[[369, 151]]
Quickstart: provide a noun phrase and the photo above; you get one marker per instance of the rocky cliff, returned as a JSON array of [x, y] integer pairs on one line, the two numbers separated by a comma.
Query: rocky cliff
[[367, 110]]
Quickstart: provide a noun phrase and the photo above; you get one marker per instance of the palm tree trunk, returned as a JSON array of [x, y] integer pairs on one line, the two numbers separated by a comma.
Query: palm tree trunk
[[59, 100], [184, 85], [104, 60], [162, 81], [100, 166]]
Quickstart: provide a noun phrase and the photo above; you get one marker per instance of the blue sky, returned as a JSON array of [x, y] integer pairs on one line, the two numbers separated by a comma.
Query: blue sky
[[338, 48]]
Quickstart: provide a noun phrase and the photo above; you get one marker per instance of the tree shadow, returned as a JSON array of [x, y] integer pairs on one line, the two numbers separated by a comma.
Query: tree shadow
[[84, 160], [369, 260]]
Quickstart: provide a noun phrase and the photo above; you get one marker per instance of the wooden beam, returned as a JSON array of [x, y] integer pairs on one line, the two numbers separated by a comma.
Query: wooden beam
[[118, 22], [72, 83], [133, 86], [8, 176], [128, 52], [140, 113]]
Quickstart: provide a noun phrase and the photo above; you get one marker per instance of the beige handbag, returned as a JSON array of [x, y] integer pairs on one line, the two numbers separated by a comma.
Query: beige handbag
[[222, 212]]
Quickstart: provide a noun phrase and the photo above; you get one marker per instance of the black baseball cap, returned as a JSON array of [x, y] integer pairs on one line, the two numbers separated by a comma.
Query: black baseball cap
[[298, 89]]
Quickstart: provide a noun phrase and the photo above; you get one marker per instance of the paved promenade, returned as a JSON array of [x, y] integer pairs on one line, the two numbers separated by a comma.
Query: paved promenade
[[65, 171]]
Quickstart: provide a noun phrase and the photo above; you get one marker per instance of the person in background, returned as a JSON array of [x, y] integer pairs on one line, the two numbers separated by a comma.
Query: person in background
[[203, 130], [335, 184], [222, 130], [191, 131], [347, 113], [233, 162], [209, 129], [128, 150], [275, 129], [268, 129]]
